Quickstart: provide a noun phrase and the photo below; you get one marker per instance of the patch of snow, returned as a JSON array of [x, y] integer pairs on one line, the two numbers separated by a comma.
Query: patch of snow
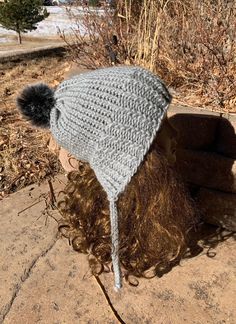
[[4, 32], [4, 40], [75, 10], [56, 10], [58, 19]]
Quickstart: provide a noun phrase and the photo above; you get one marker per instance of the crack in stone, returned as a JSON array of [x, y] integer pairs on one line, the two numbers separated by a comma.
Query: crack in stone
[[6, 309], [113, 309]]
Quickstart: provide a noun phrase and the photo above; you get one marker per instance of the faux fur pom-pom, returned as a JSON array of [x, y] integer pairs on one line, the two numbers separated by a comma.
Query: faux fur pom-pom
[[35, 103]]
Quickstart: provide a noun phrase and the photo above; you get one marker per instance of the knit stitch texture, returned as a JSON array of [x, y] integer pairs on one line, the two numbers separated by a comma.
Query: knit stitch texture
[[109, 118]]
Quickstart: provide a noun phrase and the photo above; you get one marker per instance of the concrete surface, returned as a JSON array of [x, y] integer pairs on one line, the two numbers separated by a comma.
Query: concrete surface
[[42, 280], [202, 290]]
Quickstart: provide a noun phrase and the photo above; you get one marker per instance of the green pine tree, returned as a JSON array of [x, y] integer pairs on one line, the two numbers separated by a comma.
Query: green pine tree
[[22, 15], [94, 3]]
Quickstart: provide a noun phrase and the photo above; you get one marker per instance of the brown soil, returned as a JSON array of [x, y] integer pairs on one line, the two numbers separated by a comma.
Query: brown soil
[[27, 43], [20, 163]]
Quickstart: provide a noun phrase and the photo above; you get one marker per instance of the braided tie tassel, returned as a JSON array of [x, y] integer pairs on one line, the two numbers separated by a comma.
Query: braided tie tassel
[[115, 243]]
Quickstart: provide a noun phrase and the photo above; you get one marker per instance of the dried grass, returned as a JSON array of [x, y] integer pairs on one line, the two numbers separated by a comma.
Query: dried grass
[[24, 155], [190, 44]]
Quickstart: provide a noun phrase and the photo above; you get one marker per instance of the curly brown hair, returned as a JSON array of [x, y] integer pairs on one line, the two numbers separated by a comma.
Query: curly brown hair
[[155, 216]]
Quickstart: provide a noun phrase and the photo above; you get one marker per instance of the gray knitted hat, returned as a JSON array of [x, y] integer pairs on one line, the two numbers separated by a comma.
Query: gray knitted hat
[[108, 118]]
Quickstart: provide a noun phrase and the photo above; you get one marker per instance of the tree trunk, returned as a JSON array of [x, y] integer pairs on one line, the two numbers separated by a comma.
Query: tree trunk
[[19, 37]]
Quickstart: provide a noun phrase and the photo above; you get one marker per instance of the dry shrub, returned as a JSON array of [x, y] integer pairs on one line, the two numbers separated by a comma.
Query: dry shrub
[[100, 38], [190, 44], [200, 58]]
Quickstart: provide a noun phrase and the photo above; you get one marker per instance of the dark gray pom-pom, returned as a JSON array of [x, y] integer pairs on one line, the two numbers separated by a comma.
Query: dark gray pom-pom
[[35, 103]]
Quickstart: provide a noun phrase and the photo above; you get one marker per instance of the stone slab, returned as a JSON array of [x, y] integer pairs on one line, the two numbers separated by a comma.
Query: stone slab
[[44, 281], [176, 108], [196, 132], [226, 138], [24, 237], [60, 290], [207, 169], [205, 130], [218, 208], [201, 290]]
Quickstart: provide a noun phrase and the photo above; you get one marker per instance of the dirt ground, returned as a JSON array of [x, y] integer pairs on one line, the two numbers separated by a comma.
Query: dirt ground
[[27, 43], [22, 164]]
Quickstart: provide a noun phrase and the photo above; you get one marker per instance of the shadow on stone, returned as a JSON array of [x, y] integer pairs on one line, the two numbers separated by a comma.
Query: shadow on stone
[[203, 239], [206, 162], [207, 237]]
